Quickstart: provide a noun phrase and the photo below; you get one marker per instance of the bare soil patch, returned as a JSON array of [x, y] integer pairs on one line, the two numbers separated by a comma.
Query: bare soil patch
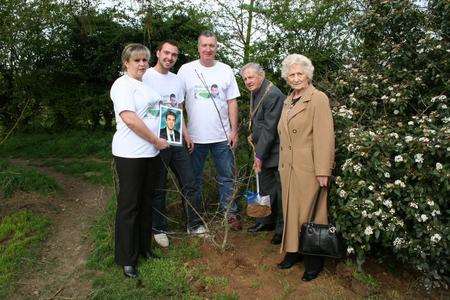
[[250, 272], [60, 272]]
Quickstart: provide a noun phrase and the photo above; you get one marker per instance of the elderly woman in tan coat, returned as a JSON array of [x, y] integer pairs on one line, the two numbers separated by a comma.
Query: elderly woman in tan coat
[[306, 159]]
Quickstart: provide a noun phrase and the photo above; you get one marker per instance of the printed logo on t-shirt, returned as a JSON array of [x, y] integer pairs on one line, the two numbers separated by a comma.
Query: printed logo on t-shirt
[[200, 92], [170, 100], [152, 111]]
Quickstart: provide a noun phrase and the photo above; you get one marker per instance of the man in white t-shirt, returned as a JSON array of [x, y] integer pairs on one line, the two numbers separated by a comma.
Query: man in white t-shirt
[[170, 87], [211, 91]]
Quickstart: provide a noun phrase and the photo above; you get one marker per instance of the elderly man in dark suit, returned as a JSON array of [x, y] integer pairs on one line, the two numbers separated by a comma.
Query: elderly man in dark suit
[[266, 103]]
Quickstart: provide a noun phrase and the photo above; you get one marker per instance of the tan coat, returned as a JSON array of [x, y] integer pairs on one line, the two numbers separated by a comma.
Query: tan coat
[[306, 151]]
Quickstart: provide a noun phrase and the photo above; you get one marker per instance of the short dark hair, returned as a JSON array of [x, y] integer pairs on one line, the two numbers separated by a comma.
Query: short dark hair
[[214, 86], [171, 113], [170, 42]]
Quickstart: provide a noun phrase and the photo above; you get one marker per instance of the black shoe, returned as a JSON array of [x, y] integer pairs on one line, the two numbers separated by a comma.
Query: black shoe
[[130, 271], [150, 255], [261, 227], [308, 276], [290, 259], [276, 239]]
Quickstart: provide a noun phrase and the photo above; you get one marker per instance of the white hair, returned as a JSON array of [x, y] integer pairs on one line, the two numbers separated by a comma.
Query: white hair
[[297, 59], [255, 67]]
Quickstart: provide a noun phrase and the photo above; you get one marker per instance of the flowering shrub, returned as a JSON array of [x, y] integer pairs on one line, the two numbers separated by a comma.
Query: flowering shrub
[[392, 132]]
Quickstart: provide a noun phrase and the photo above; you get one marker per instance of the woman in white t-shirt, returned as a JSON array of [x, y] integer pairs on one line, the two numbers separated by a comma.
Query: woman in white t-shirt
[[135, 148]]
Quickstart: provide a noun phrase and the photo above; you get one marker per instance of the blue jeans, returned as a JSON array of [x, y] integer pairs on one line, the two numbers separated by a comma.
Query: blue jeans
[[224, 163]]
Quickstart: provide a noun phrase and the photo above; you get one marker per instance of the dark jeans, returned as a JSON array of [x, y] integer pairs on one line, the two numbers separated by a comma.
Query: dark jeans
[[270, 184], [138, 178], [224, 163], [178, 160]]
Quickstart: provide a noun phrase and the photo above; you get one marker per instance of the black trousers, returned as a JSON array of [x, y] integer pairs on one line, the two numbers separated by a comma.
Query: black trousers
[[313, 263], [138, 179], [178, 160], [270, 184]]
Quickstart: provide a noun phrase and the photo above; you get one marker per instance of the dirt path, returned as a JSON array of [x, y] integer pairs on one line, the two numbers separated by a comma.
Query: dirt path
[[61, 272]]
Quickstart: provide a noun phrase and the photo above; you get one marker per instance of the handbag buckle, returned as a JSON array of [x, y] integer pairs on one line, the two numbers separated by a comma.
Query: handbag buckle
[[332, 229]]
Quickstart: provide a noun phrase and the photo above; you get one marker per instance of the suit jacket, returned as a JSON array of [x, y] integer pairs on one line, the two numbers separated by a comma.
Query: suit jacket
[[163, 135], [307, 150], [264, 123]]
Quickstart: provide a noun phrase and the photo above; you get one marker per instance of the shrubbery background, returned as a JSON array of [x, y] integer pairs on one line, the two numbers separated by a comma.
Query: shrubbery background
[[384, 65], [393, 128]]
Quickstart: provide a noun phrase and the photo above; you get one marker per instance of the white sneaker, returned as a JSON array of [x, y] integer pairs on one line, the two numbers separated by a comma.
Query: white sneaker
[[200, 230], [162, 239]]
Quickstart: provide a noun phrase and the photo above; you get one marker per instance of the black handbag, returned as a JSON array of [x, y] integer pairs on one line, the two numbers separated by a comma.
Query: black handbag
[[320, 239]]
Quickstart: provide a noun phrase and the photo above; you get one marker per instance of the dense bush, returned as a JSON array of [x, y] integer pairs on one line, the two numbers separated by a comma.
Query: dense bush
[[392, 121]]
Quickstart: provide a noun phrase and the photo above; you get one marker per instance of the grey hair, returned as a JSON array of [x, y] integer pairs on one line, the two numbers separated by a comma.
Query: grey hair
[[297, 59], [206, 33], [254, 66]]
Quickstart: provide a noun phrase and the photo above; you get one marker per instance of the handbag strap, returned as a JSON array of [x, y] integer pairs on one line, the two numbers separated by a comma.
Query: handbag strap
[[312, 214]]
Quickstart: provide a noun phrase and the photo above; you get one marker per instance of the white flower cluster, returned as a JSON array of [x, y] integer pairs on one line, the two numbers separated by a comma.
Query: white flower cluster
[[368, 231], [435, 238], [399, 242], [400, 183], [422, 218], [408, 138], [398, 158], [418, 158], [345, 112], [435, 213], [438, 98]]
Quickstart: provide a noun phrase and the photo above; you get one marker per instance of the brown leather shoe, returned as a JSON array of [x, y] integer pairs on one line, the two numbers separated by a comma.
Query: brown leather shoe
[[234, 223]]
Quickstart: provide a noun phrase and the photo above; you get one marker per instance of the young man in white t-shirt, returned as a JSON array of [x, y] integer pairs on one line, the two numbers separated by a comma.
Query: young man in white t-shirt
[[211, 91], [170, 87]]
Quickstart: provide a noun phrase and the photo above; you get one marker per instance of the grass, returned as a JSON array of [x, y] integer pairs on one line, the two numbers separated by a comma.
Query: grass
[[79, 144], [93, 171], [20, 236], [166, 277], [366, 279], [14, 178]]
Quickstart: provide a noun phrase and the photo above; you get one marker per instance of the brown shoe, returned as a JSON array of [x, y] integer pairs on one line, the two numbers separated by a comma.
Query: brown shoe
[[234, 223]]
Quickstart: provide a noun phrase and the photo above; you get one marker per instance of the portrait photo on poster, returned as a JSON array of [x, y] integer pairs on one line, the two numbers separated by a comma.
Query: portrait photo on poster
[[170, 125]]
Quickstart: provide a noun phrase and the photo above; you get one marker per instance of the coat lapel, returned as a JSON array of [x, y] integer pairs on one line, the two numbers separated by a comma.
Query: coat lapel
[[299, 107]]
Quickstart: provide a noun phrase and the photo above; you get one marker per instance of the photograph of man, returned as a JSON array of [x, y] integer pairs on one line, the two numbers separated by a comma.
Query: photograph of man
[[173, 100], [169, 132], [215, 91]]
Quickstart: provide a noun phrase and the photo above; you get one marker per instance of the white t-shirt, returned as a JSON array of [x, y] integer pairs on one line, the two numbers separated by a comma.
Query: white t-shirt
[[129, 94], [199, 83], [169, 86]]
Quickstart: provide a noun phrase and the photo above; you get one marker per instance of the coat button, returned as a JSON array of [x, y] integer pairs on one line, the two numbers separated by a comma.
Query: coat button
[[290, 148], [294, 130]]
